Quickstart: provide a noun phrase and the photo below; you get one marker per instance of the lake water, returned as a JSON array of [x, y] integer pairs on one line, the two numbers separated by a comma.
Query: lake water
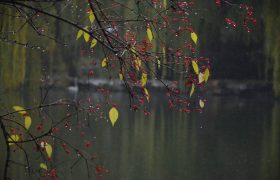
[[235, 138]]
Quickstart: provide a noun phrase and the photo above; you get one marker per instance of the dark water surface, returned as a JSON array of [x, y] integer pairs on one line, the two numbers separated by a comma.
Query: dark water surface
[[234, 138]]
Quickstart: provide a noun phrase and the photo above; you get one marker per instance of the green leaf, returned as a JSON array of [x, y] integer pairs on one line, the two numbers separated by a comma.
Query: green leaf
[[113, 115]]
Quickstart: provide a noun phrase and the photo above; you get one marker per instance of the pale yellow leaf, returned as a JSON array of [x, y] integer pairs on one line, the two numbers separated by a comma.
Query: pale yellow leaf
[[150, 34], [93, 43], [195, 67], [206, 74], [194, 37], [91, 17], [79, 34], [13, 138], [20, 110], [43, 166], [158, 63], [113, 115], [104, 63], [27, 122], [200, 77], [144, 79], [192, 90], [147, 94], [201, 103]]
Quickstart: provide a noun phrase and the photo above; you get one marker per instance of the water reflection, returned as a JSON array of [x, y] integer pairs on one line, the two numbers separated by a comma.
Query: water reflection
[[225, 142], [270, 150], [235, 138]]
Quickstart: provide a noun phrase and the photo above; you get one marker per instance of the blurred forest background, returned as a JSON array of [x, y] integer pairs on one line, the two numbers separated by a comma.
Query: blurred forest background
[[235, 54]]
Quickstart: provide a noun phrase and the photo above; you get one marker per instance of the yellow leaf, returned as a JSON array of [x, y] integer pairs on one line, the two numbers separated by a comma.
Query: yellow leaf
[[93, 43], [104, 63], [91, 17], [147, 94], [121, 76], [192, 90], [150, 34], [86, 36], [113, 115], [20, 110], [133, 51], [49, 150], [79, 34], [43, 166], [13, 138], [195, 67], [27, 122], [137, 64], [194, 37], [144, 79], [200, 78], [201, 103], [206, 74]]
